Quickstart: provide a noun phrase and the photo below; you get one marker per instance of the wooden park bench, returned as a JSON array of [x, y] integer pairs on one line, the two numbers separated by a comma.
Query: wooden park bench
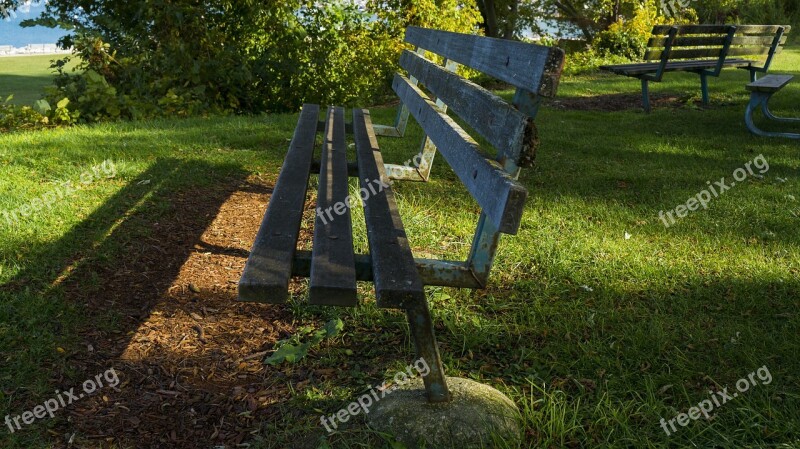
[[760, 93], [705, 50], [398, 277]]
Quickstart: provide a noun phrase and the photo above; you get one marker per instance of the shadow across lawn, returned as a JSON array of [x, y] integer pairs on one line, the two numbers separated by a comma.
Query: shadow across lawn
[[150, 286]]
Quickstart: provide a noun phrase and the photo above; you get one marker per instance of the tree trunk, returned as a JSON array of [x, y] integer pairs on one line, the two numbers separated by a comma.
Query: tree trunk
[[487, 9], [571, 13], [511, 22]]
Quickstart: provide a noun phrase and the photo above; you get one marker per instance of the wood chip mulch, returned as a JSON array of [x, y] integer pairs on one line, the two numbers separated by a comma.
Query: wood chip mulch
[[190, 358]]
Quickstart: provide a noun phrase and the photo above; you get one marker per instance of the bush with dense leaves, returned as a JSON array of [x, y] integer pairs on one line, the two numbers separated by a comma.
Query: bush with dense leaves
[[146, 58]]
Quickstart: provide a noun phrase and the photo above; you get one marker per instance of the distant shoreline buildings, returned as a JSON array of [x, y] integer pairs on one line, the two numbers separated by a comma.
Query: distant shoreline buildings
[[32, 49]]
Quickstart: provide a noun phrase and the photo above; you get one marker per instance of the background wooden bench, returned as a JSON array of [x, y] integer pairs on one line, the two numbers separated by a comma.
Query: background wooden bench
[[399, 278], [705, 50]]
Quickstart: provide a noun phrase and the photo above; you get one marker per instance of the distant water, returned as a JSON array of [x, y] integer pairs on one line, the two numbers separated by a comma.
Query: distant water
[[13, 34]]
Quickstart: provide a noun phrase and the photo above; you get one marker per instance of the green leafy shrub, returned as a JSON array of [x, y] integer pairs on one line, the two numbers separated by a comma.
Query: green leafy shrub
[[14, 117], [628, 38], [145, 58], [588, 61], [292, 350]]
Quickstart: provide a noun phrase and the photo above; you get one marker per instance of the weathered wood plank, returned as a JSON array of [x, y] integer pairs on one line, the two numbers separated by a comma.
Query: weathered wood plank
[[333, 272], [500, 196], [693, 53], [770, 83], [691, 29], [762, 29], [507, 129], [269, 267], [721, 29], [703, 41], [751, 51], [533, 67], [707, 41], [757, 40], [397, 281]]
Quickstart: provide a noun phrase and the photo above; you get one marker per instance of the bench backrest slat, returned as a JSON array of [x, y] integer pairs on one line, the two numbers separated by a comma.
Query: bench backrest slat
[[683, 41], [739, 51], [691, 29], [691, 53], [500, 196], [757, 40], [522, 65], [762, 29], [498, 122], [705, 41]]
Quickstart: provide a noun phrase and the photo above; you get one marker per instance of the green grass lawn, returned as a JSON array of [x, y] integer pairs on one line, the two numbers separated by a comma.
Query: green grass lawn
[[25, 77], [599, 320]]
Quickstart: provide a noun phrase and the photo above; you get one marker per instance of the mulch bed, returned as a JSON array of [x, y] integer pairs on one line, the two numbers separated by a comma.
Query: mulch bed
[[190, 358]]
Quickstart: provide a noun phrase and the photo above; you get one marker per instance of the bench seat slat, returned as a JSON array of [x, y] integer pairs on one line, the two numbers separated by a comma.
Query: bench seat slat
[[770, 83], [394, 271], [531, 67], [268, 269], [498, 122], [333, 272], [499, 195]]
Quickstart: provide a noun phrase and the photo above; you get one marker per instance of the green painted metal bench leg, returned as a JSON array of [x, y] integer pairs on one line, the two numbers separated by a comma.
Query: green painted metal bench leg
[[753, 75], [762, 99], [704, 87], [645, 95], [421, 326]]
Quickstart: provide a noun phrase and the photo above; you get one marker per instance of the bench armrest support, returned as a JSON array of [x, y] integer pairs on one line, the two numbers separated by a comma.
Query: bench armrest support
[[673, 33]]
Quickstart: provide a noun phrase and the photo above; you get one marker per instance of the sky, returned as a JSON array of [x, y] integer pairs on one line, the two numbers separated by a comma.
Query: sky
[[12, 34]]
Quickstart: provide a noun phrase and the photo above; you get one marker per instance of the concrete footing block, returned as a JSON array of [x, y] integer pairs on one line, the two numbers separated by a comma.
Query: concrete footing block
[[477, 416]]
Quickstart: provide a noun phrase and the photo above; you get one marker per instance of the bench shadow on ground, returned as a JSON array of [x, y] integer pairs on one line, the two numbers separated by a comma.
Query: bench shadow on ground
[[154, 277]]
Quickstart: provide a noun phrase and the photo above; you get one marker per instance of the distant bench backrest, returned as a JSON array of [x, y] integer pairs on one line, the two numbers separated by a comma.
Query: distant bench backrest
[[683, 42]]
